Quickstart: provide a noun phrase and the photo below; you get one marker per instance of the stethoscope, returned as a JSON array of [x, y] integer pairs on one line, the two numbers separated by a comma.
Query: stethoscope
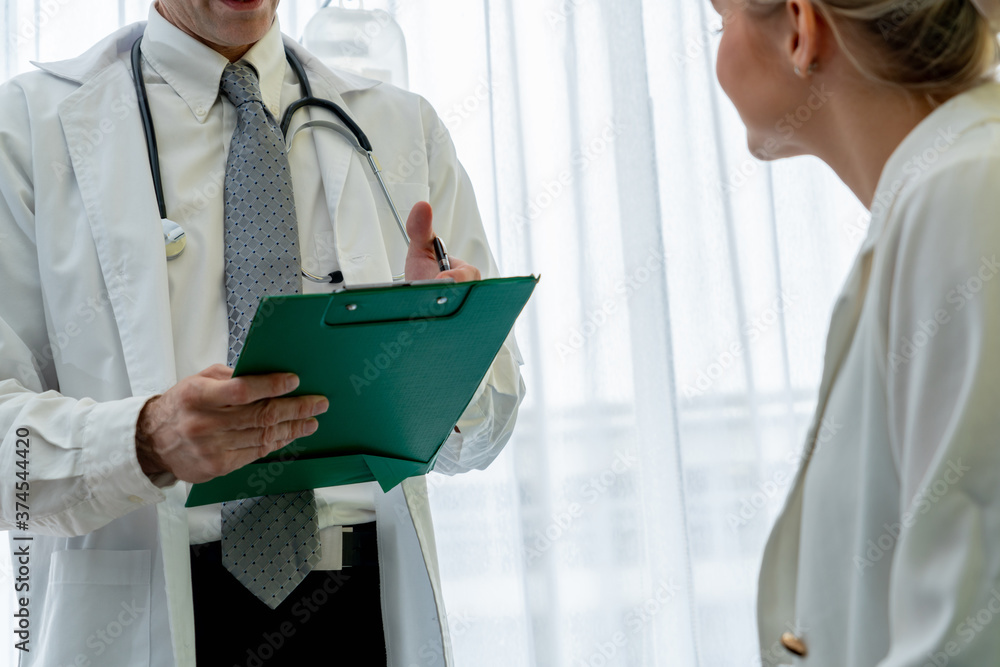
[[173, 235]]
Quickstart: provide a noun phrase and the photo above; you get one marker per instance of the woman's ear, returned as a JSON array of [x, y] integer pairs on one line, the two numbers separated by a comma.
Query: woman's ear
[[803, 43]]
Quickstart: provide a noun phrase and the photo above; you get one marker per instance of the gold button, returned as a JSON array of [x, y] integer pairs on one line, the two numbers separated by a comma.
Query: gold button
[[794, 644]]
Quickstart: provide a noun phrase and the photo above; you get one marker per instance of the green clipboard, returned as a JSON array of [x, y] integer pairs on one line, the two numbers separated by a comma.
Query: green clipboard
[[399, 366]]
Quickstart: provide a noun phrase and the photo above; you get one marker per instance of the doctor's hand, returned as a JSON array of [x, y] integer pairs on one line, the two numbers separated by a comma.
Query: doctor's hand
[[421, 263], [210, 424]]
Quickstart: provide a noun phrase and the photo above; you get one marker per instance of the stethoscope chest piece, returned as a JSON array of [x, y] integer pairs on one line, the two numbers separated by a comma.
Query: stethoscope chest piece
[[174, 238]]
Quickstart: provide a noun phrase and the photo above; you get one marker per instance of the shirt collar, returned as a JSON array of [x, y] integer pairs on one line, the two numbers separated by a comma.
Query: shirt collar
[[194, 70], [928, 142], [268, 57]]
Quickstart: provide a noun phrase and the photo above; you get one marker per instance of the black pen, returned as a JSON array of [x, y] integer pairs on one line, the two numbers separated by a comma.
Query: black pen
[[442, 255]]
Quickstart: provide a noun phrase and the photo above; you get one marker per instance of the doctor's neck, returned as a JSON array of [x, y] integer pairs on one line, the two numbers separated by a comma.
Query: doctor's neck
[[225, 26]]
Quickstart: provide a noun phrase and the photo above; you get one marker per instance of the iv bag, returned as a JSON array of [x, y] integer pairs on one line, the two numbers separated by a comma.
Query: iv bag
[[366, 42]]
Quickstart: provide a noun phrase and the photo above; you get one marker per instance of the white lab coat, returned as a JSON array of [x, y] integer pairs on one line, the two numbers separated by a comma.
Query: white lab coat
[[888, 549], [85, 340]]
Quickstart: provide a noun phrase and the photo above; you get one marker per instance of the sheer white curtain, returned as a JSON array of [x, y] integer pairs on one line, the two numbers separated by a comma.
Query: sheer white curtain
[[673, 347]]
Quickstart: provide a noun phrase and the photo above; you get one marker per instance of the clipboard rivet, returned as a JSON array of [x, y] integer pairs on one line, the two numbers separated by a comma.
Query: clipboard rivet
[[442, 300], [352, 307]]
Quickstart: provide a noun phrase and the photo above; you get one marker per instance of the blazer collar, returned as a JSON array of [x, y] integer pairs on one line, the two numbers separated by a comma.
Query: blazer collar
[[923, 147]]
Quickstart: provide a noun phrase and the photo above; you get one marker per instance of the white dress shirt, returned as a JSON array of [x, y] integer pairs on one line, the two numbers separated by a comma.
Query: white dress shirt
[[194, 125]]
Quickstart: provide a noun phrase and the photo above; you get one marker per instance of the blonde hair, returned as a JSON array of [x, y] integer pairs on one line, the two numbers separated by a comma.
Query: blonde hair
[[937, 48]]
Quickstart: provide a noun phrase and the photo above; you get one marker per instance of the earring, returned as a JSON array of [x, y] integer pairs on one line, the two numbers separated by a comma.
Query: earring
[[810, 71]]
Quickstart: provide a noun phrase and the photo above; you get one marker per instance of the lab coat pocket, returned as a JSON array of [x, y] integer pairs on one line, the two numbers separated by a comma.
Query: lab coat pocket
[[96, 610]]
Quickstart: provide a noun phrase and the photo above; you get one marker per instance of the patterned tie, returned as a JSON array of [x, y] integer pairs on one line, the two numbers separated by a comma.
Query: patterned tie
[[269, 543]]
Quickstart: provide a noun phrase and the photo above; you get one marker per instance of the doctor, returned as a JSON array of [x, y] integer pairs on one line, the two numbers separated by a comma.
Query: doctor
[[113, 387], [888, 549]]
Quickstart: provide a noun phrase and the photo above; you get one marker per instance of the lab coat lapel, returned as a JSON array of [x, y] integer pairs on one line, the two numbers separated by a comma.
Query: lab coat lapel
[[104, 137], [779, 574], [98, 120], [366, 262], [361, 249], [843, 324]]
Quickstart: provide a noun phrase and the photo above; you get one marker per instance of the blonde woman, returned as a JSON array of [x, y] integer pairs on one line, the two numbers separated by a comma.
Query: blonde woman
[[888, 550]]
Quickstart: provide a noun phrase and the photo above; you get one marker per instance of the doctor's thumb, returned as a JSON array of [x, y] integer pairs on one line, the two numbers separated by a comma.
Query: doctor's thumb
[[418, 225]]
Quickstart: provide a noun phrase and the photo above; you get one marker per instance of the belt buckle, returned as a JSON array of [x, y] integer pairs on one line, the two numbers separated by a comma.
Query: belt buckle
[[332, 539]]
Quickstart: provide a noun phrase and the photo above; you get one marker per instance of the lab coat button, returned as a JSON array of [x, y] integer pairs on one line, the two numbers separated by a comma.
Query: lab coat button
[[793, 644], [135, 499]]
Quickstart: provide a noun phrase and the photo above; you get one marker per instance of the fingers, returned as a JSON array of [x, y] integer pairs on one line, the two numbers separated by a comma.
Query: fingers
[[249, 445], [244, 390], [210, 424], [257, 442], [419, 225], [460, 272], [421, 262], [217, 372], [265, 414]]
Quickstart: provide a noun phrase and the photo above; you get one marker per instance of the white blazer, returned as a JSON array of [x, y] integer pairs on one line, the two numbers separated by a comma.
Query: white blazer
[[888, 550], [85, 339]]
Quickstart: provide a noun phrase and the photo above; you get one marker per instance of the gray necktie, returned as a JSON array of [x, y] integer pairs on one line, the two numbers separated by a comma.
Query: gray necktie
[[269, 543]]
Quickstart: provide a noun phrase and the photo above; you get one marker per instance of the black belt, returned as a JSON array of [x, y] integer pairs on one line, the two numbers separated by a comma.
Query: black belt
[[360, 545]]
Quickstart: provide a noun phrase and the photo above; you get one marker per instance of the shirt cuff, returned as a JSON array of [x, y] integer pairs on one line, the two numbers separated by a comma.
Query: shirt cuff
[[112, 474]]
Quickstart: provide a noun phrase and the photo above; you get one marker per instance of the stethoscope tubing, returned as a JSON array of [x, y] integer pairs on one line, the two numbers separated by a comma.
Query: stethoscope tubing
[[307, 100], [147, 126]]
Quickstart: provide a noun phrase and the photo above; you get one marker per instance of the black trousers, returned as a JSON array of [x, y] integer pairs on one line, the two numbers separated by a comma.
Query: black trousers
[[331, 618]]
